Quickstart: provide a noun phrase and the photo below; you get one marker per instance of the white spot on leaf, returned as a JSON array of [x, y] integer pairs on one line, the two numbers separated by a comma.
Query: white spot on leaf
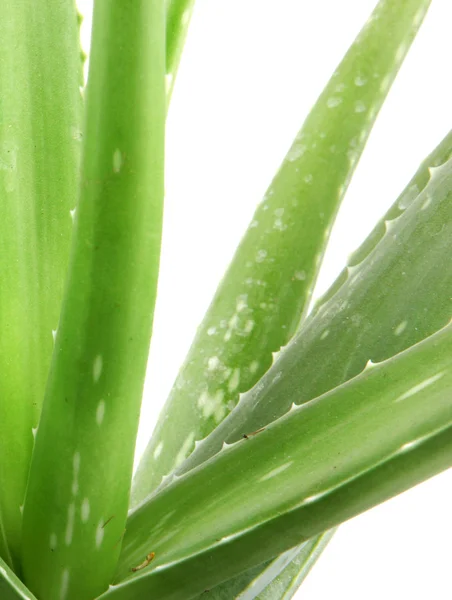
[[249, 326], [213, 363], [158, 450], [85, 510], [296, 152], [254, 365], [64, 584], [360, 107], [242, 302], [97, 368], [70, 524], [360, 81], [333, 101], [117, 160], [276, 471], [400, 328], [99, 533], [100, 412], [234, 381], [261, 255], [76, 462], [300, 275], [420, 386]]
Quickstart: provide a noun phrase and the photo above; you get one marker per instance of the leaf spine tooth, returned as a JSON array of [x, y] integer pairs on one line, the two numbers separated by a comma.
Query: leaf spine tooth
[[198, 443], [166, 479], [370, 364], [241, 397]]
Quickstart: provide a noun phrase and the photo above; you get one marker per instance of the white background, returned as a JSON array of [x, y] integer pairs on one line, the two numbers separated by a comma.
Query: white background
[[250, 72]]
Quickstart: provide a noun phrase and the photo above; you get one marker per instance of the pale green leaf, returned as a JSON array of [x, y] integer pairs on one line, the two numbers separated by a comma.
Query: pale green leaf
[[322, 463], [396, 291], [277, 579], [286, 584], [266, 289]]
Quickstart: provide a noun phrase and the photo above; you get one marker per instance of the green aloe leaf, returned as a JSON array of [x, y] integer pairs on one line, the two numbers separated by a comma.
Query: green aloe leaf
[[435, 312], [11, 587], [322, 463], [260, 575], [265, 291], [286, 584], [178, 17], [276, 578], [78, 489], [382, 303], [40, 133]]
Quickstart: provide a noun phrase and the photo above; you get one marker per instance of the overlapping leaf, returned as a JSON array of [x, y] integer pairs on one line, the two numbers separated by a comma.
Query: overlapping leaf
[[264, 293], [322, 463], [396, 291], [40, 133], [11, 587]]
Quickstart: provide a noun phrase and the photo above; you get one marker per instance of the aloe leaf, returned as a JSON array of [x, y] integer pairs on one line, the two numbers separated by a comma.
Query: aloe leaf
[[257, 575], [40, 133], [277, 579], [286, 584], [435, 309], [78, 489], [11, 587], [178, 17], [267, 287], [317, 466], [396, 291]]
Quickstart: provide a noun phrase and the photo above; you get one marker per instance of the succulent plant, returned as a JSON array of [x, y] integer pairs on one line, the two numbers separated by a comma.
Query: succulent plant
[[283, 422]]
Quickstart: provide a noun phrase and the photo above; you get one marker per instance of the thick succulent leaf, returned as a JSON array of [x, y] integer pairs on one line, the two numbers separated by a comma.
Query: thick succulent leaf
[[178, 16], [40, 133], [78, 489], [277, 579], [11, 587], [260, 576], [396, 291], [262, 579], [322, 463], [266, 289], [286, 584]]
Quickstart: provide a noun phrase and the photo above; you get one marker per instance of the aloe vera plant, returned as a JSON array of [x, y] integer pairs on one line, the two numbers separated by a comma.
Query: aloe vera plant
[[283, 422]]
